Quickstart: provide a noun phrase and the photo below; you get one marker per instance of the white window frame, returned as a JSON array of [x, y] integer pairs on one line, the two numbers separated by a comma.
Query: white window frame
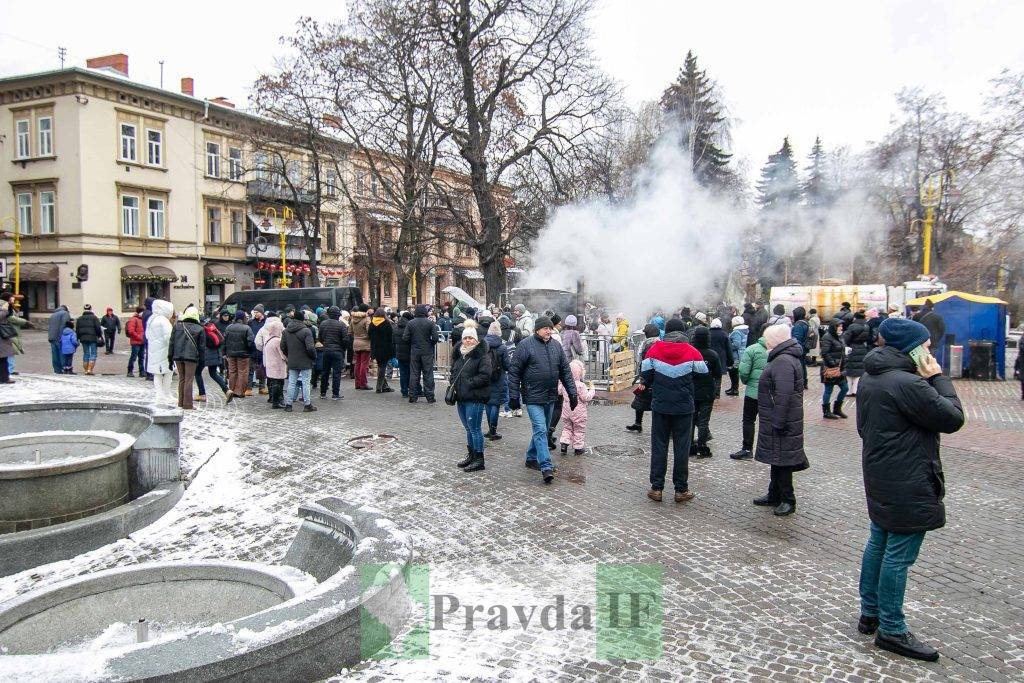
[[129, 149], [24, 138], [332, 183], [259, 162], [24, 212], [47, 212], [156, 146], [331, 228], [209, 221], [213, 159], [129, 216], [240, 224], [234, 163], [156, 217], [45, 136], [293, 169]]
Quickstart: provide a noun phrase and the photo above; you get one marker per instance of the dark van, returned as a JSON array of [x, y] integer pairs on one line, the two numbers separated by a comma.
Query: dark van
[[277, 299]]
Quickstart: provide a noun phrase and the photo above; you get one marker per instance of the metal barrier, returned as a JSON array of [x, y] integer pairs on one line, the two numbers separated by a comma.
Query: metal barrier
[[443, 355]]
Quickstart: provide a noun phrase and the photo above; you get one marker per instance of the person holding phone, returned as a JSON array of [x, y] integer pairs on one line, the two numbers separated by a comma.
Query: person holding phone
[[904, 403]]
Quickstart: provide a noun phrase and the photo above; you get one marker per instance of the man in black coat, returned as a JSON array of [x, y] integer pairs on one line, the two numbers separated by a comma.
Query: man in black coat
[[754, 317], [705, 390], [936, 329], [902, 407], [257, 374], [421, 334], [111, 325], [333, 334], [239, 346], [538, 366], [298, 347]]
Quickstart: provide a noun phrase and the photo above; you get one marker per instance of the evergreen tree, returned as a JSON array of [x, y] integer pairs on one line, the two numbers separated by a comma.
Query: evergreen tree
[[817, 192], [691, 102], [778, 188]]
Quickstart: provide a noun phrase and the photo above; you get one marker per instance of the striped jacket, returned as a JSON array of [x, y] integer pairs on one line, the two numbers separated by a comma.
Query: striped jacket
[[668, 369]]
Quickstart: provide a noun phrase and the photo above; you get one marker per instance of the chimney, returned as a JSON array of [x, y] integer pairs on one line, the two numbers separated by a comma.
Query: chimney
[[187, 87], [118, 63], [223, 101]]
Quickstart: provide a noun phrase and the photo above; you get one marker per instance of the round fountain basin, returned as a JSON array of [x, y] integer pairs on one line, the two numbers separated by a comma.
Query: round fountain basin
[[101, 611], [58, 476]]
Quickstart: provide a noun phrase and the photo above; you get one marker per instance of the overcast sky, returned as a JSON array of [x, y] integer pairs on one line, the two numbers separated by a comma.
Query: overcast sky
[[790, 67]]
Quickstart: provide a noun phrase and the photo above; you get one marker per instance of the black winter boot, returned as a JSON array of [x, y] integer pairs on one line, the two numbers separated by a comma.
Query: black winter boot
[[907, 645], [837, 409], [492, 433], [826, 413], [468, 459], [635, 427], [564, 448], [476, 464]]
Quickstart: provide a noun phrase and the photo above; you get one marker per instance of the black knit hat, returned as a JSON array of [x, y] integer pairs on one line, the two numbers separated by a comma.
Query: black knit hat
[[541, 323]]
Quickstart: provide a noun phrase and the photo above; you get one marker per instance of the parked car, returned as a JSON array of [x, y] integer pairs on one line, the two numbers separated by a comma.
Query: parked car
[[276, 299]]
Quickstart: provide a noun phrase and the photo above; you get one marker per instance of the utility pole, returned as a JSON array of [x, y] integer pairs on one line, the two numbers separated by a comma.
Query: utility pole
[[161, 74], [62, 53]]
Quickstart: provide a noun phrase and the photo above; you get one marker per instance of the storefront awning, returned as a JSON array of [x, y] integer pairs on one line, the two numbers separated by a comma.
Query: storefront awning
[[36, 272], [144, 274], [276, 225], [471, 274], [218, 273]]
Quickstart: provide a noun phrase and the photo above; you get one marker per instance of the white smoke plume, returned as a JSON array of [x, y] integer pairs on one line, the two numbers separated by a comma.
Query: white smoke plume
[[672, 243]]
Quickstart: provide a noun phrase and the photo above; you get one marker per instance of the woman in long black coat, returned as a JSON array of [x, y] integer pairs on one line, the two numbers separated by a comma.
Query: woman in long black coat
[[833, 355], [382, 347], [780, 408], [642, 400], [860, 338]]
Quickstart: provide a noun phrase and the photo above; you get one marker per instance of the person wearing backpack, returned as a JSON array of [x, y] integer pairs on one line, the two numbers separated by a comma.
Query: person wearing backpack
[[135, 330], [188, 344], [212, 360], [500, 357]]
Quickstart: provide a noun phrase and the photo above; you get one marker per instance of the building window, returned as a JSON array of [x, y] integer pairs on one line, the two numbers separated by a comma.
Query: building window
[[25, 213], [259, 160], [213, 225], [373, 185], [361, 183], [47, 213], [332, 183], [156, 218], [277, 172], [294, 170], [154, 147], [387, 284], [128, 152], [45, 136], [24, 148], [237, 235], [234, 163], [213, 159], [332, 236], [129, 216]]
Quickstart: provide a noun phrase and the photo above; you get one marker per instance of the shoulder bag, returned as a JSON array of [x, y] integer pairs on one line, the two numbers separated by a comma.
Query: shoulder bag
[[450, 394]]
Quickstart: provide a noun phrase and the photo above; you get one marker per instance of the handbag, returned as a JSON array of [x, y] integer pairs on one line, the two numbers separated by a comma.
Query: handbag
[[450, 395], [832, 373], [8, 331]]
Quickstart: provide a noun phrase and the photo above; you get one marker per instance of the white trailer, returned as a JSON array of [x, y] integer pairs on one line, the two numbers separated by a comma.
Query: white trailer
[[829, 298]]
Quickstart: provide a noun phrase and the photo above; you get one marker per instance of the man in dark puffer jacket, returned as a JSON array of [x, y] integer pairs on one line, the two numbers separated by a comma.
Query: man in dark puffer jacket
[[298, 347], [538, 366], [239, 345], [333, 334], [902, 407]]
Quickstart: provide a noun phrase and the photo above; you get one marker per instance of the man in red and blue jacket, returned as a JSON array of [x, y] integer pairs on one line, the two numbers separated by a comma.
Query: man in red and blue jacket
[[668, 369]]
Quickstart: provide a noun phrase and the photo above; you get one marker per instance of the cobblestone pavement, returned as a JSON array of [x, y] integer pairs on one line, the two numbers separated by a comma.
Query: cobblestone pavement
[[747, 596]]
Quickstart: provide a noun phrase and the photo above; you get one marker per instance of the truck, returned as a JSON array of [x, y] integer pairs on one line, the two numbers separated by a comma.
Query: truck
[[828, 296]]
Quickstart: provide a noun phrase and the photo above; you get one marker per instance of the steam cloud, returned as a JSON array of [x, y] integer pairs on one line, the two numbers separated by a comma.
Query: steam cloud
[[673, 243]]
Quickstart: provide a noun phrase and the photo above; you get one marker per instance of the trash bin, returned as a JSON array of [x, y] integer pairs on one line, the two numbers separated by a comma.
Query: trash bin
[[982, 360], [956, 361]]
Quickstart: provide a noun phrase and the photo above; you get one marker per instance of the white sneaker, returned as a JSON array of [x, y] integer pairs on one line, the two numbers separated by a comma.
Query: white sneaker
[[518, 413], [505, 414]]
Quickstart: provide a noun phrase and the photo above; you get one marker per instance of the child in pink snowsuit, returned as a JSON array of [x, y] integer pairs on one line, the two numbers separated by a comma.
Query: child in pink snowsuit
[[574, 422]]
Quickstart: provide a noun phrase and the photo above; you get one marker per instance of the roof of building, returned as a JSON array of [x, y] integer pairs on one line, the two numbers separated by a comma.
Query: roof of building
[[974, 298]]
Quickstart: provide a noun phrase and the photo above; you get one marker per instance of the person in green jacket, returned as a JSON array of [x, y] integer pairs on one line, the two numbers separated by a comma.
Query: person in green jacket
[[752, 363]]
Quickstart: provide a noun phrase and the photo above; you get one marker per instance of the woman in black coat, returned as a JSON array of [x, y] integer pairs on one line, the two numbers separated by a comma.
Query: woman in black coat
[[642, 400], [833, 355], [471, 374], [382, 347], [780, 436], [860, 338]]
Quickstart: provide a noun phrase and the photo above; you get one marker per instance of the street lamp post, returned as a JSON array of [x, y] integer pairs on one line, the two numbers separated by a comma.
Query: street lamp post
[[936, 186]]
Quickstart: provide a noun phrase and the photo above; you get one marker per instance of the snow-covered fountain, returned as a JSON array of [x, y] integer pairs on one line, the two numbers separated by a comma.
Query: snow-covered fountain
[[77, 475], [339, 596]]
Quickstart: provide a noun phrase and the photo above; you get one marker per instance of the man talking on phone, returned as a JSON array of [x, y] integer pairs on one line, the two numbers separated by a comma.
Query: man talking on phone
[[903, 404]]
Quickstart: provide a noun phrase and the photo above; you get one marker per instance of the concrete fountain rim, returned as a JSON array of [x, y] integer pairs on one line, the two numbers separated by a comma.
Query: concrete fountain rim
[[120, 448]]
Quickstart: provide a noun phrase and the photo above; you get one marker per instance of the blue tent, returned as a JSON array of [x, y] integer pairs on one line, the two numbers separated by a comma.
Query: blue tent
[[969, 318]]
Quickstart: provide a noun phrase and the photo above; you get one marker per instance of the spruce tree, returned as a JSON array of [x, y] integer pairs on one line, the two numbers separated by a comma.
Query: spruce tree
[[691, 103], [778, 188], [817, 192]]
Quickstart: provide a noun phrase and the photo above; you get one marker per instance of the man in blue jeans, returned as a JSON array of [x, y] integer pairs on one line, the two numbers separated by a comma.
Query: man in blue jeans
[[538, 366], [903, 404], [58, 320], [298, 347]]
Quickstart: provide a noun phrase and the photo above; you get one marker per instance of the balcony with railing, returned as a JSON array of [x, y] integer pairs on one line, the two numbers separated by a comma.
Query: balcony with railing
[[263, 189]]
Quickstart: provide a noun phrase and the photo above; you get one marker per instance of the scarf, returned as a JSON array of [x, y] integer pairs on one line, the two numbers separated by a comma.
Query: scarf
[[378, 319]]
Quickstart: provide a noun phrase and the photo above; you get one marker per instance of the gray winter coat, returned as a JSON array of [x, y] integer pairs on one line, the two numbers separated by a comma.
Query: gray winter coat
[[59, 318], [297, 345], [421, 335], [780, 408]]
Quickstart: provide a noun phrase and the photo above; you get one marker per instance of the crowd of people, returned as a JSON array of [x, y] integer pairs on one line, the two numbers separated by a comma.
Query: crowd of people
[[507, 361]]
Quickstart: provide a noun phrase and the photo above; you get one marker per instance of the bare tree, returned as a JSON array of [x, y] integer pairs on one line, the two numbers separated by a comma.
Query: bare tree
[[524, 85]]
